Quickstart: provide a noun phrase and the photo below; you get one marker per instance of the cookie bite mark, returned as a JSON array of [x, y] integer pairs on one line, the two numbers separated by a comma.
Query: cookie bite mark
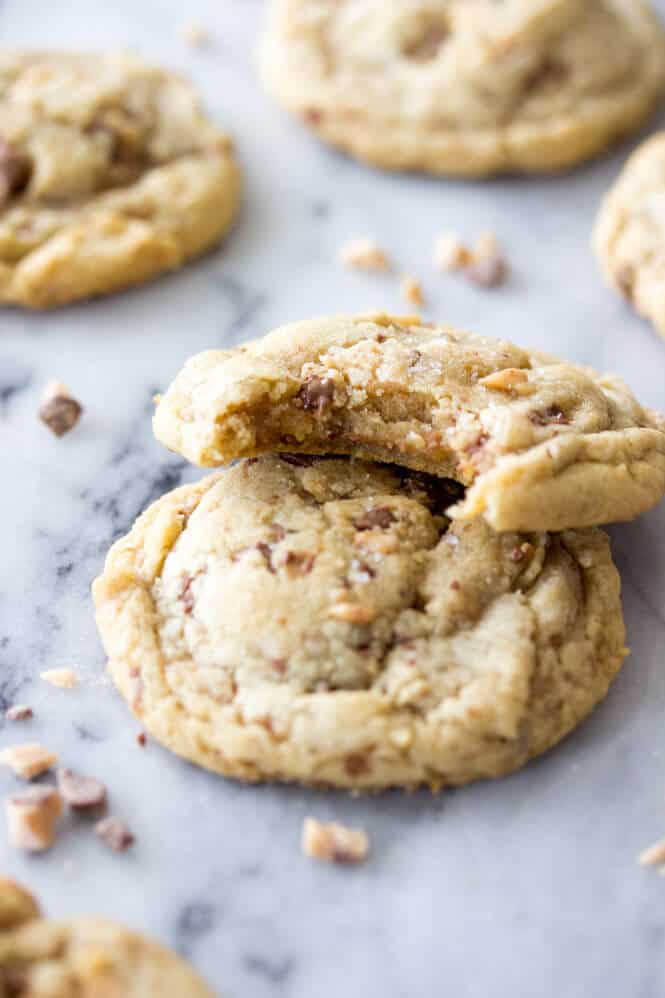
[[542, 444]]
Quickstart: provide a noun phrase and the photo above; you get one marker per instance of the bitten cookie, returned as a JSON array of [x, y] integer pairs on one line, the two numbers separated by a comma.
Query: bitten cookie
[[541, 444], [322, 620], [630, 233], [109, 175], [86, 957], [466, 88]]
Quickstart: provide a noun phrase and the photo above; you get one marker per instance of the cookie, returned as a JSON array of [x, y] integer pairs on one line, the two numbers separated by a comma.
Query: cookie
[[466, 88], [109, 175], [629, 238], [322, 620], [541, 444], [86, 957]]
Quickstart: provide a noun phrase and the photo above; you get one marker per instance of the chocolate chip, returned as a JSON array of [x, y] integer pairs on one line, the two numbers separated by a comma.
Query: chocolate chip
[[550, 71], [551, 415], [15, 171], [59, 410], [455, 586], [356, 764], [266, 551], [488, 272], [380, 516], [20, 712], [187, 596], [81, 793], [114, 833], [298, 563], [625, 278], [317, 394]]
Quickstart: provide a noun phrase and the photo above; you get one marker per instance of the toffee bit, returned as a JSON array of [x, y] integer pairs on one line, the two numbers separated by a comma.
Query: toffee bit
[[59, 410], [64, 679], [364, 254], [29, 760], [412, 291], [19, 712], [317, 394], [81, 793], [450, 253], [380, 516], [334, 843], [488, 272], [32, 818], [654, 855], [114, 833]]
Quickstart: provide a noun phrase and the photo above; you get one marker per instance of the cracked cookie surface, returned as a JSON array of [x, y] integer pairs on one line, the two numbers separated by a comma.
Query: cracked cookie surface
[[322, 620], [109, 175], [466, 87], [540, 443], [629, 238], [86, 957]]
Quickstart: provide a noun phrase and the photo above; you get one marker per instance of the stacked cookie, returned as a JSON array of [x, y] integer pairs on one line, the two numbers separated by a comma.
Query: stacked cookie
[[401, 579]]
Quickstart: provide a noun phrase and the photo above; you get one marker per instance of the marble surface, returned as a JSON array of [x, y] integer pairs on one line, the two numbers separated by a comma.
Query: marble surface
[[526, 886]]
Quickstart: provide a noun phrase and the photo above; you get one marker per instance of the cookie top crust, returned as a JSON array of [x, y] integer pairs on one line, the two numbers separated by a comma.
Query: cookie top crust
[[467, 87], [86, 957], [322, 620], [629, 237], [109, 174], [540, 443]]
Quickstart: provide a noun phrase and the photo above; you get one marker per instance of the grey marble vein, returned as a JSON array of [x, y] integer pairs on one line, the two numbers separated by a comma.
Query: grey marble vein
[[524, 887]]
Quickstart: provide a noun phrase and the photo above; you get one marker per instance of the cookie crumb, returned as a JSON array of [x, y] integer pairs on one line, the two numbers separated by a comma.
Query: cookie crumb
[[59, 410], [64, 679], [114, 833], [488, 272], [364, 254], [486, 246], [450, 253], [412, 291], [334, 843], [81, 793], [195, 35], [29, 760], [19, 712], [654, 855], [32, 818], [142, 739]]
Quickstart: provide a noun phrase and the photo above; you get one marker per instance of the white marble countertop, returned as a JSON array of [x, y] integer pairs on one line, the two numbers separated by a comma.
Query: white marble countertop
[[526, 886]]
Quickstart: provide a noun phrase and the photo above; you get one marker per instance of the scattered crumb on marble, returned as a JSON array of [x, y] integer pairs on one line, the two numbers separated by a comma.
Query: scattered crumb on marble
[[64, 679], [32, 818], [81, 793], [654, 855], [363, 254], [142, 739], [450, 253], [334, 843], [488, 272], [59, 410], [194, 34], [29, 760], [114, 833], [412, 291], [19, 712]]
